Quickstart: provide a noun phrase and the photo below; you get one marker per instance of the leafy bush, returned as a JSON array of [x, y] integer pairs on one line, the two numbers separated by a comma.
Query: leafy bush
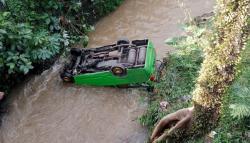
[[34, 32], [20, 45]]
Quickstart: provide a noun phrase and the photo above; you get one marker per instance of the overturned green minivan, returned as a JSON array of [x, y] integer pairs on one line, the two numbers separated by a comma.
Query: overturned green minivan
[[121, 63]]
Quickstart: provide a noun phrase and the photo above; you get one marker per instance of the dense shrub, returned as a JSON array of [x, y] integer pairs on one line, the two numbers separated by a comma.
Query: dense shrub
[[21, 45], [34, 31]]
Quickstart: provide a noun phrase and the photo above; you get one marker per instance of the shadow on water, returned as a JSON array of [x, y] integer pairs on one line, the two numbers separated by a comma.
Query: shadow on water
[[45, 110]]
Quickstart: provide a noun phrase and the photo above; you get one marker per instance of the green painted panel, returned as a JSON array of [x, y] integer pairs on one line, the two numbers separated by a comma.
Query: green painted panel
[[135, 75]]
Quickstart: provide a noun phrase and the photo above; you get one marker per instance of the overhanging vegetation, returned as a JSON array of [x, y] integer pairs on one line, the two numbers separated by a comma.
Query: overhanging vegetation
[[33, 32]]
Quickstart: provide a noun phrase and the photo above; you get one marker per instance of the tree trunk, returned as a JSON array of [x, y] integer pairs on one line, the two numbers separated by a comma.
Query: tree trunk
[[219, 66], [218, 70]]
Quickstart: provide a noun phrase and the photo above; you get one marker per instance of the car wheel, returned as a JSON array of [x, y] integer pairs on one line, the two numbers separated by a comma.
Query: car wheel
[[67, 77], [123, 41], [76, 51], [119, 70]]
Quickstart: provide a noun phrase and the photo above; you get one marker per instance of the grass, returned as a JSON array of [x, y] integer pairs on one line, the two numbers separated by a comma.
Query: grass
[[178, 79], [235, 120], [178, 82]]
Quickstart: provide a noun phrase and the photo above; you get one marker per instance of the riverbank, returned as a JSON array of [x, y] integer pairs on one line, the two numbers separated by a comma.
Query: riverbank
[[174, 91]]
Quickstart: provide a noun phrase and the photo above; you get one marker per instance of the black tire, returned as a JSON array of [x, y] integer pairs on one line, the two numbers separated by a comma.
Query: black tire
[[123, 41], [118, 70], [67, 77], [76, 51]]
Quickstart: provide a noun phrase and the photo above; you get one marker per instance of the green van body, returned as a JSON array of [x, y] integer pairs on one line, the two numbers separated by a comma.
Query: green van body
[[133, 76]]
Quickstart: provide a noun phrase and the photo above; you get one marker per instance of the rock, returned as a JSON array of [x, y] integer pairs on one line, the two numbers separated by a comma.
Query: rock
[[203, 18]]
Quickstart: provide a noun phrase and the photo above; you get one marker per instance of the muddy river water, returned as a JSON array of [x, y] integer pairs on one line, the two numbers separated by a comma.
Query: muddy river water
[[45, 110]]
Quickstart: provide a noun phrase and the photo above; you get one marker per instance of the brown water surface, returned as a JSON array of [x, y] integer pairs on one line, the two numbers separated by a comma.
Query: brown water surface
[[156, 20], [45, 110]]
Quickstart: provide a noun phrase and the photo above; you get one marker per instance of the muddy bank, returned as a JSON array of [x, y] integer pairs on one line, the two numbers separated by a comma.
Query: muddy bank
[[44, 109]]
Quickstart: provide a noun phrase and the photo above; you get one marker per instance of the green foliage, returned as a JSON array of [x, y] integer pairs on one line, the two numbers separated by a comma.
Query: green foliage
[[179, 79], [235, 117], [33, 31], [240, 110], [103, 7], [179, 75], [20, 46], [240, 90]]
